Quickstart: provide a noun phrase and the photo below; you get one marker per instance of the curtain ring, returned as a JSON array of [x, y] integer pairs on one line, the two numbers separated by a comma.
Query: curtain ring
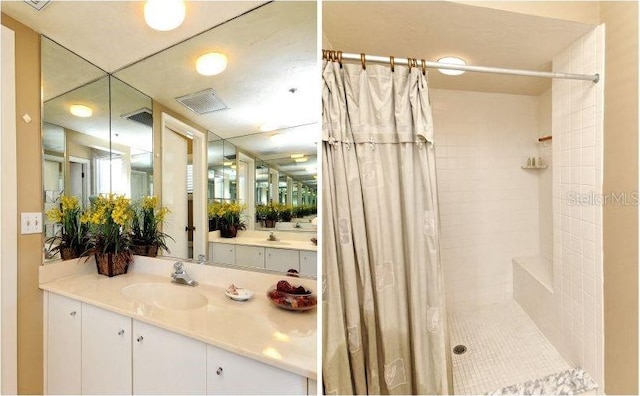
[[424, 67], [409, 64], [392, 63], [362, 61], [340, 58], [323, 54]]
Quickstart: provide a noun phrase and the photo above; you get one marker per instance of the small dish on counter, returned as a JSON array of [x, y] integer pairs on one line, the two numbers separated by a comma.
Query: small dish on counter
[[238, 293], [292, 298]]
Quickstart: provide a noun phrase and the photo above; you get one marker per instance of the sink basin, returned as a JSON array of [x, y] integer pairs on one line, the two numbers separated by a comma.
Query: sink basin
[[280, 243], [165, 295]]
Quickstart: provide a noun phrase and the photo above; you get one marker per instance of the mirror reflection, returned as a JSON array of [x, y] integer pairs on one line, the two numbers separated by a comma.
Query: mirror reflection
[[247, 136]]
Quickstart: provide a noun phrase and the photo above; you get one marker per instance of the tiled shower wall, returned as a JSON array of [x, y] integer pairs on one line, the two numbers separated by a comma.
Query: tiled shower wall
[[577, 250], [488, 204], [571, 314]]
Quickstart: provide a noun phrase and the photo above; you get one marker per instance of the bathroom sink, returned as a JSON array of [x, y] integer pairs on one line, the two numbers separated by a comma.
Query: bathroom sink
[[278, 243], [165, 295]]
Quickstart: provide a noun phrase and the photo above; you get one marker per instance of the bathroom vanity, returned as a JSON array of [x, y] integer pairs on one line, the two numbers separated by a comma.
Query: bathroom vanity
[[139, 333], [253, 249]]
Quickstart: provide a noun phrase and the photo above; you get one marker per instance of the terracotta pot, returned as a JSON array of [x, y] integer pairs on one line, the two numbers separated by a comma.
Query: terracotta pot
[[229, 232], [68, 253], [212, 225], [145, 250], [269, 223], [112, 264]]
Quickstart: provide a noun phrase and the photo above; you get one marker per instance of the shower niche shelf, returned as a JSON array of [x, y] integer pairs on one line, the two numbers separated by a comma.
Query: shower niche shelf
[[534, 167]]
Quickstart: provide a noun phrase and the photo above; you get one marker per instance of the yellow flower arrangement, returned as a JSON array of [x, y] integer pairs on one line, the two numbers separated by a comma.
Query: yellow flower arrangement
[[226, 215], [72, 240], [109, 218]]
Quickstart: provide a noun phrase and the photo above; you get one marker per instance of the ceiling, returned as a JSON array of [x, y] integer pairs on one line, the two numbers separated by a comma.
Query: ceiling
[[433, 29], [272, 52], [79, 25]]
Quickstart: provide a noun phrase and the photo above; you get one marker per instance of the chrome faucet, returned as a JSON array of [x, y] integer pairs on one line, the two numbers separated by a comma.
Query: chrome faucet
[[272, 237], [180, 276]]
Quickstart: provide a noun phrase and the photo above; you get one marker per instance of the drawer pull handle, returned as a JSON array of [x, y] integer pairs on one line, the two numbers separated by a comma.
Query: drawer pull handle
[[139, 339], [121, 332], [73, 313], [219, 371]]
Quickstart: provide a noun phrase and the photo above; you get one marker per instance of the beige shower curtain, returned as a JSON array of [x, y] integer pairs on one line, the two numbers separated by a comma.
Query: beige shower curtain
[[383, 301]]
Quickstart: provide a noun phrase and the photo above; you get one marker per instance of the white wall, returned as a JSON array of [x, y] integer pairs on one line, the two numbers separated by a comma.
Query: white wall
[[488, 204]]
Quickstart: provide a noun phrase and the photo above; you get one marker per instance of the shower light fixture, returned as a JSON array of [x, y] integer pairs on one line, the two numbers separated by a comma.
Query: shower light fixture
[[164, 15], [453, 61], [211, 63], [79, 110]]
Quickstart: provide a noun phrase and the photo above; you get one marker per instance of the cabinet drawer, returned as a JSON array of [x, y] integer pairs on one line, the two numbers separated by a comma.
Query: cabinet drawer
[[250, 256], [282, 260], [223, 253], [229, 374]]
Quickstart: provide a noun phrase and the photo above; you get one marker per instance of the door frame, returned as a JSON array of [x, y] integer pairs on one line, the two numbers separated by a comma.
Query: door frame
[[250, 192], [200, 217]]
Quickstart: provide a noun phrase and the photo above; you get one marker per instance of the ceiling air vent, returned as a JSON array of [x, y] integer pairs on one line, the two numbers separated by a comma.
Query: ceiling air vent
[[142, 116], [203, 102], [37, 4]]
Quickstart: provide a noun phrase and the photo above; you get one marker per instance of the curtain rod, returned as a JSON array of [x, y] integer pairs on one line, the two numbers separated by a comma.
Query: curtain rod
[[338, 56]]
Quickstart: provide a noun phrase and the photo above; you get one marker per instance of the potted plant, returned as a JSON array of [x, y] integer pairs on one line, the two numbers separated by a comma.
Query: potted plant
[[146, 237], [286, 212], [228, 217], [72, 239], [271, 214], [109, 219]]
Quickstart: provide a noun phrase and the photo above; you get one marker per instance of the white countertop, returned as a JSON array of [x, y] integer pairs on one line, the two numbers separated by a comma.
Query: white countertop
[[256, 328], [285, 240]]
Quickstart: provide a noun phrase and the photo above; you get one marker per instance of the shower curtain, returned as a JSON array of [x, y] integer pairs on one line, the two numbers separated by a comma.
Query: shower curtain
[[383, 301]]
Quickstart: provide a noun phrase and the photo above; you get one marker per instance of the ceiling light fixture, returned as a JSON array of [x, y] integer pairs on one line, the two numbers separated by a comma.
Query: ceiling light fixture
[[79, 110], [164, 15], [294, 156], [303, 159], [211, 63], [452, 60], [227, 163]]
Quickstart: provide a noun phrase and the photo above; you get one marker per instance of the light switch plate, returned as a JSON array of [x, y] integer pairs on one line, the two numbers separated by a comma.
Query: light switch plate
[[31, 222]]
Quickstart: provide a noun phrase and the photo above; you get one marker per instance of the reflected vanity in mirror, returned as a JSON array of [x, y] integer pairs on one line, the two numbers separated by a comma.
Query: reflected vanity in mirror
[[247, 135]]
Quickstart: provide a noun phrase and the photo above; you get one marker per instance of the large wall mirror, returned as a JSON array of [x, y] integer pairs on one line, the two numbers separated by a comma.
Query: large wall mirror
[[248, 134]]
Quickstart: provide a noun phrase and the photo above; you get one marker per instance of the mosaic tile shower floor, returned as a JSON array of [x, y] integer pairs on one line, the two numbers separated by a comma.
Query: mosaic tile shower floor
[[504, 347]]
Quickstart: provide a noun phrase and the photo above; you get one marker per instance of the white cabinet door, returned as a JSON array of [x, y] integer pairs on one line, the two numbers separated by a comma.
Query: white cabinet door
[[250, 256], [282, 260], [167, 363], [308, 263], [63, 345], [223, 253], [106, 352], [312, 387], [231, 374]]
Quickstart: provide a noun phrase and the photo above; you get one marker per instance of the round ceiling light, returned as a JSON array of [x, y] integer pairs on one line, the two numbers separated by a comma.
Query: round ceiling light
[[294, 156], [164, 15], [211, 64], [79, 110], [303, 159], [452, 60]]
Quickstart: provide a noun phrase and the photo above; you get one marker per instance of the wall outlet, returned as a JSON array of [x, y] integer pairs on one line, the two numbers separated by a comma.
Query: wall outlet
[[31, 222]]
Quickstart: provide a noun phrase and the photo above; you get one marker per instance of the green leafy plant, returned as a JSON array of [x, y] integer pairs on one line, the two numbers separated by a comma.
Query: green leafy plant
[[73, 238], [147, 219]]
